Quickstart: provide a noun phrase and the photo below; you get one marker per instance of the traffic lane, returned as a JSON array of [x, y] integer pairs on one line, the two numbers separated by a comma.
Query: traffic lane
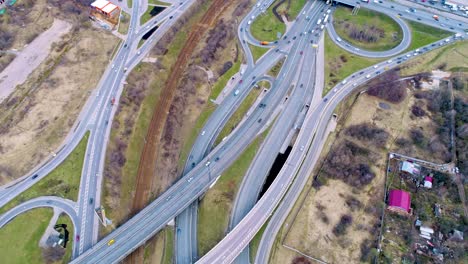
[[67, 206], [253, 181], [233, 151]]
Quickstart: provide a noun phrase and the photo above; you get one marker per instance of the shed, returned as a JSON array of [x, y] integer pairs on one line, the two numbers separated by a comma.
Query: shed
[[411, 168], [428, 182], [399, 201]]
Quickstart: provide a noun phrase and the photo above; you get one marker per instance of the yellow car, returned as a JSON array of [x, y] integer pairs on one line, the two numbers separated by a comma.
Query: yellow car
[[111, 242]]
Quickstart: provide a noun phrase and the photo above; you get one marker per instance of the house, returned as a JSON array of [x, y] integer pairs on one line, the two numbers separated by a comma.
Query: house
[[411, 168], [106, 12], [428, 182], [399, 201]]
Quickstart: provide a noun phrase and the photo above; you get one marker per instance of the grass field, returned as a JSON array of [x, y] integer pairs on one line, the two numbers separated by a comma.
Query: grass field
[[168, 246], [239, 114], [266, 26], [147, 15], [365, 18], [129, 3], [156, 2], [257, 52], [276, 68], [20, 238], [340, 64], [256, 242], [422, 35], [223, 80], [449, 55], [65, 219], [63, 181], [124, 23], [215, 207], [293, 10]]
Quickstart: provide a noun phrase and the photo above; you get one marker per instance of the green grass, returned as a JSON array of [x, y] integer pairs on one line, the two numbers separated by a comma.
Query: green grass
[[239, 114], [146, 16], [201, 120], [336, 69], [422, 35], [276, 68], [215, 207], [365, 17], [65, 219], [63, 181], [168, 246], [130, 3], [257, 52], [124, 23], [266, 26], [223, 80], [20, 238], [294, 9], [255, 243], [156, 2]]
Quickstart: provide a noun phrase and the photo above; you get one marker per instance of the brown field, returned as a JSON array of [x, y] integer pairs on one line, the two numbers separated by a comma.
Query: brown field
[[38, 115]]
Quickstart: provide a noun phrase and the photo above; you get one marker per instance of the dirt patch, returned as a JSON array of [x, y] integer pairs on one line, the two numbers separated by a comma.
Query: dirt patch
[[40, 112], [30, 57]]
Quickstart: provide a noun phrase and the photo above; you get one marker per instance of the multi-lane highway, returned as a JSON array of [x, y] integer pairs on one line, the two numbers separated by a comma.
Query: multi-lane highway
[[204, 165]]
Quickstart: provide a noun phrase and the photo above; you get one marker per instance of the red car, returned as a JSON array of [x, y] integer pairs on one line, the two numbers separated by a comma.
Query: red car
[[240, 81]]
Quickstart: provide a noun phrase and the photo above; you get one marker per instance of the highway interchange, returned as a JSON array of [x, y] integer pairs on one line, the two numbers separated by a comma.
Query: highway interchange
[[209, 164]]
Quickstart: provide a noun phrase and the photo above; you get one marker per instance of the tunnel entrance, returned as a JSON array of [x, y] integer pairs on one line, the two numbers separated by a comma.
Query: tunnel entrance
[[275, 169]]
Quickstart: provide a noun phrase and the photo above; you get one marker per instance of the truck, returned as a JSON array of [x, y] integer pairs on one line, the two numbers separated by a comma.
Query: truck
[[325, 19], [436, 17], [264, 42]]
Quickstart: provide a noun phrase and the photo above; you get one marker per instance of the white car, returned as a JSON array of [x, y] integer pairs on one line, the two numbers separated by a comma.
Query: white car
[[355, 84], [344, 82], [338, 39], [376, 66], [249, 22], [335, 90], [302, 148], [367, 76], [208, 163], [389, 61], [203, 132]]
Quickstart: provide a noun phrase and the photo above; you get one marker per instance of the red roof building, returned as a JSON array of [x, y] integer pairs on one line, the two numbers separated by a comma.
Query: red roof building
[[399, 201]]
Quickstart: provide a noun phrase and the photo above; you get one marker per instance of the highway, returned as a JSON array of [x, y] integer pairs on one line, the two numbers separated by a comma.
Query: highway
[[297, 106], [315, 124], [145, 224]]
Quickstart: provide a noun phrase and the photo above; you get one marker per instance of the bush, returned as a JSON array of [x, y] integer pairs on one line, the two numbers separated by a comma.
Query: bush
[[342, 226], [367, 132], [418, 111], [458, 83], [388, 87], [417, 137]]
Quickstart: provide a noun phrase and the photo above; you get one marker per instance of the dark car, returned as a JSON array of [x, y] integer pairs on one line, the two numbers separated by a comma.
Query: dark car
[[193, 164], [170, 17], [294, 37], [34, 176], [91, 200], [217, 158], [418, 18], [301, 52], [260, 120], [326, 99], [77, 238]]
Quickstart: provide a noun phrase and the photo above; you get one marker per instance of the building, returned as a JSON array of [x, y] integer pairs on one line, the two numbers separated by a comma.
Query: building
[[428, 182], [106, 12], [411, 168], [399, 201]]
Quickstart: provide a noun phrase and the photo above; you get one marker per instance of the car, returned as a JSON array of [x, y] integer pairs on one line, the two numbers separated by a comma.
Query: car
[[378, 72], [389, 61], [241, 29], [253, 78], [361, 73], [354, 84], [34, 176], [217, 158], [260, 120], [325, 99], [125, 45], [139, 52], [277, 50], [249, 22], [240, 81], [418, 19], [112, 241], [112, 67], [367, 76], [335, 90], [302, 85], [338, 39], [190, 179], [207, 164], [302, 148], [400, 14], [77, 238], [171, 17], [91, 200], [193, 164], [392, 6], [203, 132], [294, 37], [408, 55], [376, 66], [344, 82], [301, 52]]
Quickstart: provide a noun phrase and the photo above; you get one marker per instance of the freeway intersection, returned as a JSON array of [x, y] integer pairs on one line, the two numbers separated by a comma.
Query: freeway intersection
[[295, 83]]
